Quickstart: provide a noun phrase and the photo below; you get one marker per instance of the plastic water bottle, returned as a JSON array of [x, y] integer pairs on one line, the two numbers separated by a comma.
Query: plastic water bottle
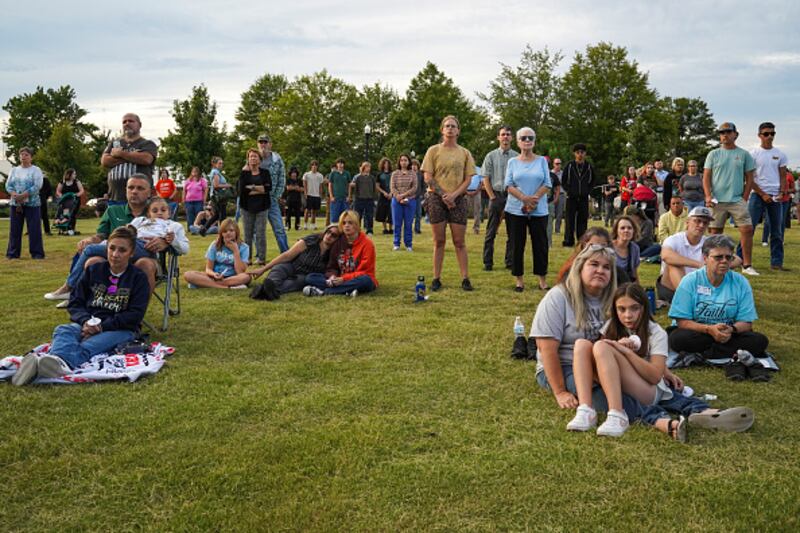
[[651, 297], [519, 327], [117, 143], [419, 290]]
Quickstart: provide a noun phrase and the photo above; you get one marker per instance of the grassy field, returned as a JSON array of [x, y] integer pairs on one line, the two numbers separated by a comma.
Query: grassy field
[[374, 414]]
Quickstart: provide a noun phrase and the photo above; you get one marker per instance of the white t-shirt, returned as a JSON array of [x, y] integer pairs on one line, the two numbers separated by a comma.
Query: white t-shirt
[[768, 163], [680, 244], [314, 181]]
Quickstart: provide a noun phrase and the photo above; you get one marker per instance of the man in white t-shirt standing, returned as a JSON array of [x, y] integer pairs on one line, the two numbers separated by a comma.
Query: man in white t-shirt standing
[[682, 253], [768, 186]]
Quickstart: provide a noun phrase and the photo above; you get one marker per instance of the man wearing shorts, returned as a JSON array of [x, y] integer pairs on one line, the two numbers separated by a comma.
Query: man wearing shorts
[[312, 184], [727, 182]]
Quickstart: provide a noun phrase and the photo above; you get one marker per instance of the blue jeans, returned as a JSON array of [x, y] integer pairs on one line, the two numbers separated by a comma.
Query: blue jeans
[[773, 215], [97, 250], [691, 204], [403, 215], [361, 283], [337, 207], [192, 209], [651, 251], [67, 343], [365, 207], [173, 210], [276, 221]]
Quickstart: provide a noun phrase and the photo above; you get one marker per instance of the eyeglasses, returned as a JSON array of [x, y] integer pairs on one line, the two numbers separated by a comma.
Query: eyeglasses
[[767, 134], [527, 138], [112, 289], [721, 257]]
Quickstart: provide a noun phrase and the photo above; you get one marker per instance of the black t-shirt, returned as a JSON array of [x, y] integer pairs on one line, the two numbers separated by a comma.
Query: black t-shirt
[[613, 189], [312, 259], [556, 183], [294, 197], [257, 202], [73, 188]]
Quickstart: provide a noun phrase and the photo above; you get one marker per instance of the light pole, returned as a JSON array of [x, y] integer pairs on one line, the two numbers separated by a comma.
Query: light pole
[[367, 133]]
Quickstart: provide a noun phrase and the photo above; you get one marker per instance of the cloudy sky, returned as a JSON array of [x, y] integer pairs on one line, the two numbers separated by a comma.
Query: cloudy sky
[[743, 58]]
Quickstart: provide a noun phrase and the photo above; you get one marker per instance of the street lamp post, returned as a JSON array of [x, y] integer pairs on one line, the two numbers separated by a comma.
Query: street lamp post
[[367, 133]]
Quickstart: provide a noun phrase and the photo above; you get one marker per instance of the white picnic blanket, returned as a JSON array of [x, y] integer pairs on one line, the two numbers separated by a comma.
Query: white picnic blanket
[[102, 367]]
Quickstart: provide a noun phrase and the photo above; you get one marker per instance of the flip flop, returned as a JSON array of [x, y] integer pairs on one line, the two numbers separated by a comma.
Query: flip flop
[[678, 429], [735, 419]]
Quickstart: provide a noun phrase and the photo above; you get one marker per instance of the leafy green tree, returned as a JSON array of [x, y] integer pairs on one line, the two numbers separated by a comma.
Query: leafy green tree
[[65, 150], [430, 97], [196, 137], [377, 103], [696, 129], [317, 117], [33, 116], [259, 97], [652, 135], [525, 95], [601, 96]]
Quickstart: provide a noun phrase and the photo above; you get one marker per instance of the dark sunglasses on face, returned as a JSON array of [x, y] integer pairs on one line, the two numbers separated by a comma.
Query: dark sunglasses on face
[[720, 257], [767, 134], [530, 138]]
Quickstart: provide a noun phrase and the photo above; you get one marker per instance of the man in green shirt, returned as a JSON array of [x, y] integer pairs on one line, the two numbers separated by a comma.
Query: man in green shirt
[[338, 189], [727, 182], [90, 249]]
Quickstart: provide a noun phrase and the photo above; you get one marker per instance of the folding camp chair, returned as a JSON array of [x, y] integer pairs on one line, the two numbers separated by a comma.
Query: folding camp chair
[[168, 287]]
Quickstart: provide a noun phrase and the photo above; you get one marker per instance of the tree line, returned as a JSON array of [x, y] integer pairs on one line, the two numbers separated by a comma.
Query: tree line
[[602, 99]]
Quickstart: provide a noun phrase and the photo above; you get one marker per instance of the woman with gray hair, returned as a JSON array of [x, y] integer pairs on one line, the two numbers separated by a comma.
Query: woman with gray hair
[[714, 310], [527, 182]]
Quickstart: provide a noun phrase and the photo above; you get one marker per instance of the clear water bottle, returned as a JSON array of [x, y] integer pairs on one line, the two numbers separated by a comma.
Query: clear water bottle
[[419, 290], [519, 327], [117, 143]]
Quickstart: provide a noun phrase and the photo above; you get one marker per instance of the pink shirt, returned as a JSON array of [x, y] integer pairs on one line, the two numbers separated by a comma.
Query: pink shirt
[[194, 191]]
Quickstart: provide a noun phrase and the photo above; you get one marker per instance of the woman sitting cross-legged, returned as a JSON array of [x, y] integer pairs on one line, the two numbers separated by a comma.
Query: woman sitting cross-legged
[[351, 263], [288, 271], [106, 309], [226, 261]]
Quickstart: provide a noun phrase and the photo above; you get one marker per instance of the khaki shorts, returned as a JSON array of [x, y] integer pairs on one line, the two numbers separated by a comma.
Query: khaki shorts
[[737, 210]]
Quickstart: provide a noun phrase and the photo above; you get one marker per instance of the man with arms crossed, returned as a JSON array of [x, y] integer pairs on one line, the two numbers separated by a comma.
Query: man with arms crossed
[[131, 154]]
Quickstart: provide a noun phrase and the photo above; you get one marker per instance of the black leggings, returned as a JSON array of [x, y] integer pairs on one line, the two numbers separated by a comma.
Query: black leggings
[[684, 340], [518, 226]]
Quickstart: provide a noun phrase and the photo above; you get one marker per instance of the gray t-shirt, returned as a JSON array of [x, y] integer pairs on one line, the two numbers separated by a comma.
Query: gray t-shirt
[[555, 319], [692, 188], [119, 174]]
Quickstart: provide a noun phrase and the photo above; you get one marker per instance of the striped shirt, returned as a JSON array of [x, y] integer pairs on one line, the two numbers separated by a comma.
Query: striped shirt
[[404, 182]]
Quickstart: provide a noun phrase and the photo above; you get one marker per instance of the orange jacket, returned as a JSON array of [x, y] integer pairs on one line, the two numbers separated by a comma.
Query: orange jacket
[[352, 260]]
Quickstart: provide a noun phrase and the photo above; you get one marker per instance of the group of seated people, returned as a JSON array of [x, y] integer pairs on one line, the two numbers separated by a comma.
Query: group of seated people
[[599, 349]]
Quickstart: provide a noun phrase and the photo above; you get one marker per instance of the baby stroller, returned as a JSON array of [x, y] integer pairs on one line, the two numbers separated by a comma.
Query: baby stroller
[[66, 213]]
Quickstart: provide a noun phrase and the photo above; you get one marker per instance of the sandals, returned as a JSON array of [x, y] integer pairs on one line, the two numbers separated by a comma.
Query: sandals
[[734, 419], [678, 429]]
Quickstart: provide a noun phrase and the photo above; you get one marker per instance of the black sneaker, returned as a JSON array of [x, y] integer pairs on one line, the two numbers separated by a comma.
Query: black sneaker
[[735, 371], [466, 285], [757, 372], [487, 268], [520, 349], [436, 284]]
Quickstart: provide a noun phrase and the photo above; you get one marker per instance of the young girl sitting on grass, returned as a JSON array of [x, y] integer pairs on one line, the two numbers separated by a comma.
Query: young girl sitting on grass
[[226, 261]]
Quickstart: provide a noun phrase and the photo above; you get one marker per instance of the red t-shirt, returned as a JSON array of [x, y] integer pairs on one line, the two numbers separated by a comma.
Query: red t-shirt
[[165, 188]]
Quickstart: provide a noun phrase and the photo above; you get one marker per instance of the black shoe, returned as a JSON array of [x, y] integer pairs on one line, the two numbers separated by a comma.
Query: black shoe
[[735, 371], [271, 290], [565, 244], [520, 349], [487, 268], [466, 285], [508, 267], [436, 284], [519, 289], [758, 373]]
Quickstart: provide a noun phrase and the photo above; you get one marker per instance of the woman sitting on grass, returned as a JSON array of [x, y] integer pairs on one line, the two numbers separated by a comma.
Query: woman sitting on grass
[[106, 308], [226, 261], [351, 264], [288, 271]]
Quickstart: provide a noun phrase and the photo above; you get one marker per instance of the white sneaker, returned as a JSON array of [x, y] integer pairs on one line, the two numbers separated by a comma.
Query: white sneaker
[[310, 290], [305, 226], [56, 296], [62, 305], [615, 425], [585, 419], [353, 293], [27, 371], [409, 249], [750, 271], [238, 287], [395, 248], [764, 244], [52, 366]]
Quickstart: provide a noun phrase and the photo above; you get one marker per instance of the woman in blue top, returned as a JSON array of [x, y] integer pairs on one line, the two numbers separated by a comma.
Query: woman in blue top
[[23, 186], [527, 181], [226, 261]]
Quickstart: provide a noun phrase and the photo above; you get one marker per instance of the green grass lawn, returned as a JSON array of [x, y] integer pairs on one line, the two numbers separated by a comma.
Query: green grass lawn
[[374, 414]]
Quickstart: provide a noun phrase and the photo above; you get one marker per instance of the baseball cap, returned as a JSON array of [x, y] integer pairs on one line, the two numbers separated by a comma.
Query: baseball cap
[[701, 212], [264, 138], [726, 126]]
